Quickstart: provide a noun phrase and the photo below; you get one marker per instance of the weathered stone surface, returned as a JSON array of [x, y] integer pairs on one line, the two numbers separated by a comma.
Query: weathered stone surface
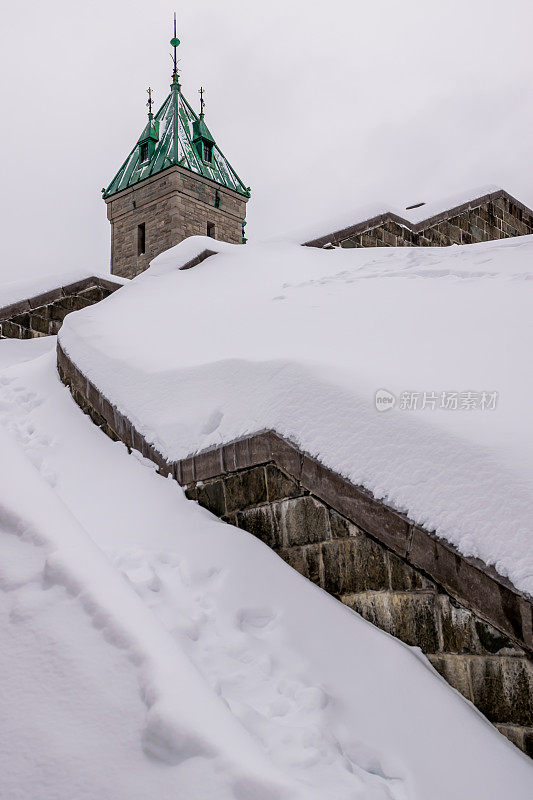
[[357, 504], [264, 523], [79, 286], [526, 619], [22, 319], [305, 560], [408, 616], [527, 744], [92, 294], [43, 314], [187, 471], [341, 528], [463, 632], [354, 565], [454, 670], [94, 397], [210, 495], [283, 453], [40, 324], [513, 733], [172, 206], [13, 309], [493, 216], [245, 489], [109, 432], [468, 583], [11, 330], [191, 491], [503, 688], [108, 285], [280, 485], [304, 520], [242, 453], [208, 465], [404, 578], [59, 311]]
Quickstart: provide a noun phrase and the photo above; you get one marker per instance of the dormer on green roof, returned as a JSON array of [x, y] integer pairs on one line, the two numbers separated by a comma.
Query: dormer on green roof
[[201, 131], [202, 140], [150, 135]]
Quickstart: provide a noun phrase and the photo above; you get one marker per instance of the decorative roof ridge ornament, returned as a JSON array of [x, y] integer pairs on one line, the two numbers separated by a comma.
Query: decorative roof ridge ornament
[[151, 132], [201, 137], [202, 101], [175, 42]]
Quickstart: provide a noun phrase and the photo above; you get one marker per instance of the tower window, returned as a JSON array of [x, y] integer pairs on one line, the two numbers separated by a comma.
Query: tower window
[[208, 152], [144, 152], [141, 239], [211, 230]]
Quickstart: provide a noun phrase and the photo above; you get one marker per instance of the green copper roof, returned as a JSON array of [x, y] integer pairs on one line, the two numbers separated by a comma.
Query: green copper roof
[[173, 131], [150, 132]]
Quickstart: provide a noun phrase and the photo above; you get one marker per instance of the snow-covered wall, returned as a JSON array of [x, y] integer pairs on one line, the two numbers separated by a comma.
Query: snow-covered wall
[[29, 315], [486, 215], [374, 560]]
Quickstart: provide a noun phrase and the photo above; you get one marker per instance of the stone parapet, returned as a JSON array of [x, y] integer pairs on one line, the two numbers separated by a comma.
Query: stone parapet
[[43, 314], [493, 216], [474, 626]]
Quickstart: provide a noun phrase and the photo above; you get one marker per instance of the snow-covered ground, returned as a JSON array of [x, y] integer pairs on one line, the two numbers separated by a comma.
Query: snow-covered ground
[[300, 340], [150, 650]]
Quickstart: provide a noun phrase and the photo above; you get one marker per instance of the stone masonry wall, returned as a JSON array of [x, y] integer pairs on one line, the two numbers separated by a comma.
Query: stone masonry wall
[[497, 216], [172, 205], [478, 660], [43, 315], [473, 625]]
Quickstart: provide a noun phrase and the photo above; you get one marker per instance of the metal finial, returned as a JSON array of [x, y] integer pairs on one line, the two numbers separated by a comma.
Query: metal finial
[[175, 44], [202, 101], [150, 102]]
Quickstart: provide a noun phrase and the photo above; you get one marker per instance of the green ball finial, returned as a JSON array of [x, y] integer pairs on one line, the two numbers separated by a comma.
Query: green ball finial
[[175, 42]]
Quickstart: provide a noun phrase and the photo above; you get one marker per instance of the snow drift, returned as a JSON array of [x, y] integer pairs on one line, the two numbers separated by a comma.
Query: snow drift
[[152, 650], [300, 340]]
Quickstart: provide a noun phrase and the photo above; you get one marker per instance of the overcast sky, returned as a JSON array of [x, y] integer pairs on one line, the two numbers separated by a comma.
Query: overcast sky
[[320, 107]]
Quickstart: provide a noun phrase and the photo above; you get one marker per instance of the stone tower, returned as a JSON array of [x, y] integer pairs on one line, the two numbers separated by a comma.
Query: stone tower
[[175, 183]]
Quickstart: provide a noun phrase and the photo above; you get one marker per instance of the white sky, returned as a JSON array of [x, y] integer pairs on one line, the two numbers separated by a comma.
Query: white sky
[[319, 107]]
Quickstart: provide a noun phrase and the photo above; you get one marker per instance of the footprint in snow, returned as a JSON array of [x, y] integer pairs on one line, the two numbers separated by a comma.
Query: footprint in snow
[[253, 620], [213, 422]]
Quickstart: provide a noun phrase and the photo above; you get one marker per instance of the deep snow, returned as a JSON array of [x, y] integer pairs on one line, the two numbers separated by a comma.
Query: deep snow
[[300, 340], [153, 651]]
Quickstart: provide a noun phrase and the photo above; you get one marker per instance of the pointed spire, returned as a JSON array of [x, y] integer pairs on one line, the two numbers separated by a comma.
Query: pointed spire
[[176, 135], [175, 42]]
